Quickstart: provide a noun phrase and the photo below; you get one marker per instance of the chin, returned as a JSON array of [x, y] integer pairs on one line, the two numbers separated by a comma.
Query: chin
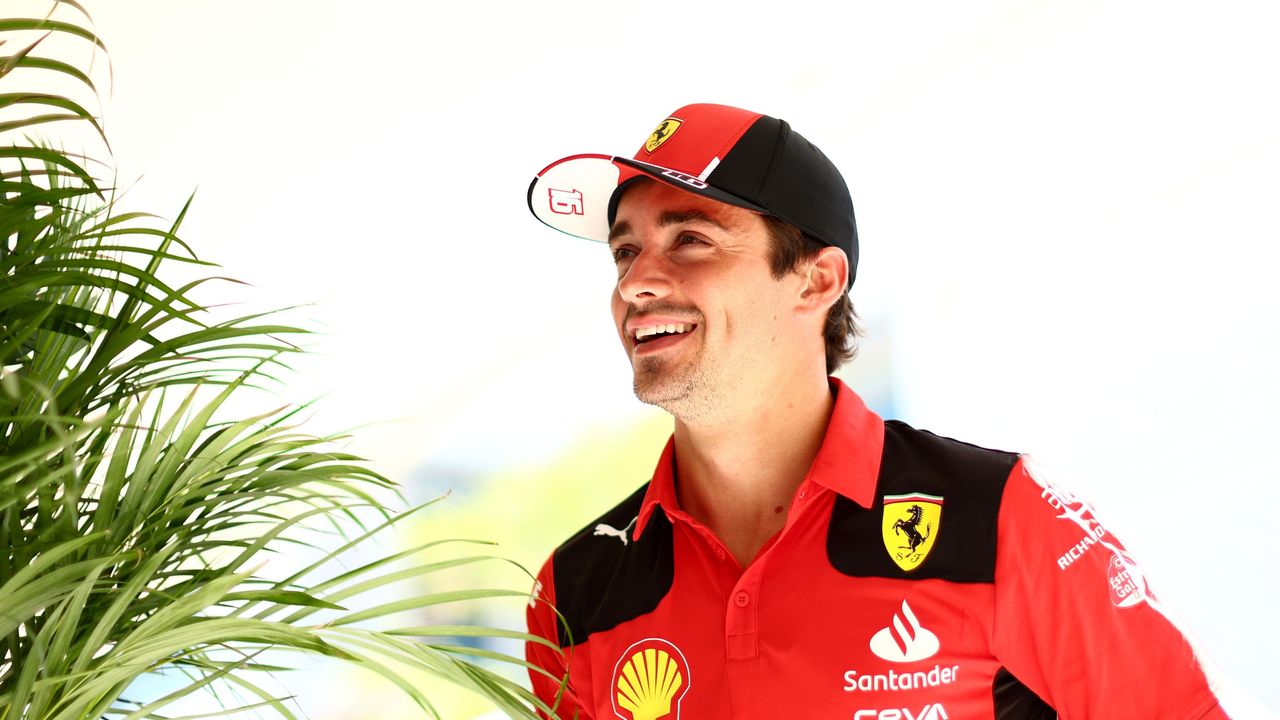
[[685, 398]]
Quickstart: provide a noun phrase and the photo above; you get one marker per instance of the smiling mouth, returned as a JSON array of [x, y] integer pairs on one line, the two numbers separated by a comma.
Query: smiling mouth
[[657, 332]]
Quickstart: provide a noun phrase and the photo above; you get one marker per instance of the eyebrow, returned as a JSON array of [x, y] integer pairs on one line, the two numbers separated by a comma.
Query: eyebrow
[[666, 219]]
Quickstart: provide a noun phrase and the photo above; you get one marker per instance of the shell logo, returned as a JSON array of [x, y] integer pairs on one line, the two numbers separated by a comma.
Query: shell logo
[[649, 681]]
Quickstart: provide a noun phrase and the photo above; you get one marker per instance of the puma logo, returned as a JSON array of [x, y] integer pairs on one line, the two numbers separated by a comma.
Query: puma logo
[[603, 529]]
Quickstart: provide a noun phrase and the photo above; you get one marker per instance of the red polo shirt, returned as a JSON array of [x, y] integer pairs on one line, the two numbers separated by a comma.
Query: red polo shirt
[[916, 578]]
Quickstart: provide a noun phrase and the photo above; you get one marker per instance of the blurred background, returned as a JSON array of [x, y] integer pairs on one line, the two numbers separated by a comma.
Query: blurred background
[[1068, 215]]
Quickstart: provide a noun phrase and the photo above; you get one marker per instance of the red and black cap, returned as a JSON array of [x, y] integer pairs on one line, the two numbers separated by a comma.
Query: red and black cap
[[724, 153]]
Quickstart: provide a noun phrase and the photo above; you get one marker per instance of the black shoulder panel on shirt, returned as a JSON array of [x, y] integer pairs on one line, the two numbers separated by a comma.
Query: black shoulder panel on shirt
[[969, 479], [602, 581], [1014, 701]]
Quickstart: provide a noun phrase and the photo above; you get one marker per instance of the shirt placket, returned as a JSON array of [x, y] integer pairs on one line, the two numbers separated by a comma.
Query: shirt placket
[[742, 618], [739, 589]]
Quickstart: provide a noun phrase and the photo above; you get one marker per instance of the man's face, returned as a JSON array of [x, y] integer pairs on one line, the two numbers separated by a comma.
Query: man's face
[[700, 268]]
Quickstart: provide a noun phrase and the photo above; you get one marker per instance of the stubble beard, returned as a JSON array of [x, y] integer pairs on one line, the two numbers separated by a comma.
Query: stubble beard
[[684, 391], [680, 385]]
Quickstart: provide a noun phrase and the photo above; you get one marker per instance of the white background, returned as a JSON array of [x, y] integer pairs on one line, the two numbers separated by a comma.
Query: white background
[[1068, 215]]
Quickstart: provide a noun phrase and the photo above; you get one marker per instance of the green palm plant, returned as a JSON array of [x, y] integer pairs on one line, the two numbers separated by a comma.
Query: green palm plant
[[134, 519]]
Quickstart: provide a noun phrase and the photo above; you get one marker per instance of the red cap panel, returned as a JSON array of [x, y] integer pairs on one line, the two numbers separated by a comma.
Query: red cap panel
[[695, 138]]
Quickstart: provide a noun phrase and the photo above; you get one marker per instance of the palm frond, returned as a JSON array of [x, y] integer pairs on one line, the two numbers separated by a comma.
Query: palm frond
[[138, 524]]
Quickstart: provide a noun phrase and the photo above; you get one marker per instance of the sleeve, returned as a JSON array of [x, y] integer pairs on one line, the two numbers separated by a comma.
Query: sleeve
[[549, 663], [1076, 622]]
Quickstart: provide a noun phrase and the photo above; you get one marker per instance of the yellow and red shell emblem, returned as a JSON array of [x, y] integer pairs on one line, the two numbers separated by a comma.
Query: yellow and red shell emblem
[[649, 681]]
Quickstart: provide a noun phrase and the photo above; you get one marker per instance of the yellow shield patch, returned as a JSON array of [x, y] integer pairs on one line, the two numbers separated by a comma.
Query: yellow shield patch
[[909, 526], [662, 133]]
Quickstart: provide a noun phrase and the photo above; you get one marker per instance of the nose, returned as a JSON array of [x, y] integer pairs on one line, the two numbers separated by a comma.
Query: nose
[[646, 277]]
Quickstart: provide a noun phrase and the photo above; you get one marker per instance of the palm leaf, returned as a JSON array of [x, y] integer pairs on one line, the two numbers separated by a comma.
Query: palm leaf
[[137, 521]]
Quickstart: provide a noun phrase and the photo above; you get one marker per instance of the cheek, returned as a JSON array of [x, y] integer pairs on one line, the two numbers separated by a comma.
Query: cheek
[[761, 318], [617, 309]]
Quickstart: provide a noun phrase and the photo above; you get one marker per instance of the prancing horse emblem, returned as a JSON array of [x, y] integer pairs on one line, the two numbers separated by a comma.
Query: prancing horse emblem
[[662, 133], [910, 526]]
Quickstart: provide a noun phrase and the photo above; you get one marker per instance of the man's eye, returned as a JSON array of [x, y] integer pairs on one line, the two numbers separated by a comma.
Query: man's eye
[[687, 239], [622, 253]]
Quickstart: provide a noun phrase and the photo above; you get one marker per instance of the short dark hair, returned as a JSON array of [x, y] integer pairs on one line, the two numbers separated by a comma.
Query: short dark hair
[[789, 247]]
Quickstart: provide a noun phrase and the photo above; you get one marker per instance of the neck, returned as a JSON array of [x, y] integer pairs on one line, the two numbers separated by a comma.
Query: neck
[[738, 474]]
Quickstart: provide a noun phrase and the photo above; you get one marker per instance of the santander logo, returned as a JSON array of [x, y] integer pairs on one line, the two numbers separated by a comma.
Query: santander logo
[[904, 640]]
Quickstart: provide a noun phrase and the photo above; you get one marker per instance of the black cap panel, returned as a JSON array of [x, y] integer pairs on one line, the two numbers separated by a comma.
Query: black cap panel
[[744, 170], [792, 180]]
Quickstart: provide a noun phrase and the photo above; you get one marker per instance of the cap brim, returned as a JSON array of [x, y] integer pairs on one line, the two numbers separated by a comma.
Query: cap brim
[[572, 195], [688, 183], [576, 194]]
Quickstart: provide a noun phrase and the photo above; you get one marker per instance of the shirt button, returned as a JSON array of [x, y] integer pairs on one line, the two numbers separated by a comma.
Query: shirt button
[[741, 599]]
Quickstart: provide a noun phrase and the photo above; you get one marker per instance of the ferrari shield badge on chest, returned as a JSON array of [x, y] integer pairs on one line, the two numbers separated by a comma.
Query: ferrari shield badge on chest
[[910, 526]]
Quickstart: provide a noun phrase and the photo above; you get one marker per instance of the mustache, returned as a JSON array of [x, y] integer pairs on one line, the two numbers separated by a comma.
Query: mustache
[[660, 307]]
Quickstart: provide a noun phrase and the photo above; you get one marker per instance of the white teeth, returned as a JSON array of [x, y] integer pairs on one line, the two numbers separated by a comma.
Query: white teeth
[[645, 332]]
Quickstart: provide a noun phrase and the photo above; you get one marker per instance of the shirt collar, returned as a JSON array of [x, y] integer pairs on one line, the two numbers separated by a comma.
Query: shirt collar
[[847, 462]]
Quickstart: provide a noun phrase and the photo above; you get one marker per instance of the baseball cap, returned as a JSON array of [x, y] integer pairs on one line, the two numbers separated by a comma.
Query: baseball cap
[[725, 153]]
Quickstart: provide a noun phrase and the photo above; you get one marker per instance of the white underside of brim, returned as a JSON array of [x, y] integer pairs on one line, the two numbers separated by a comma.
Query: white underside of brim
[[572, 195]]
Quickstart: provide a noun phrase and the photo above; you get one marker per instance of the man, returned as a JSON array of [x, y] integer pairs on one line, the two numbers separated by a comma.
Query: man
[[794, 555]]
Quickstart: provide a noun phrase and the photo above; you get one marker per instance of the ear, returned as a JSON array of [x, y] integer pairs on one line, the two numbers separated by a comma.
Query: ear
[[826, 279]]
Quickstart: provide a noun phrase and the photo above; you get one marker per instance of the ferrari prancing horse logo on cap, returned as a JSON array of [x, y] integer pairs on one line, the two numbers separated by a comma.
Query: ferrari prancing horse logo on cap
[[910, 526], [662, 133]]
